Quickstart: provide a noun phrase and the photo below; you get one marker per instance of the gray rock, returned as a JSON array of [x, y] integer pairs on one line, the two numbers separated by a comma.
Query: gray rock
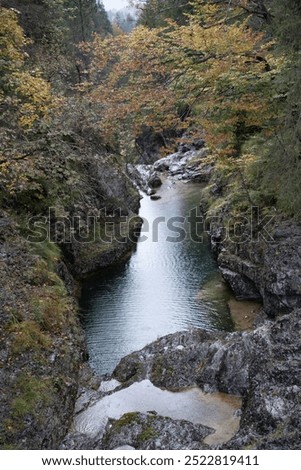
[[242, 286], [150, 192], [79, 441], [263, 366], [112, 182], [185, 164], [149, 432], [262, 260], [154, 181], [194, 145], [163, 164], [140, 175], [170, 362]]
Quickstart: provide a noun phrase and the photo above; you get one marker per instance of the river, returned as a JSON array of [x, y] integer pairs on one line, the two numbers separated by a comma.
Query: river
[[160, 289]]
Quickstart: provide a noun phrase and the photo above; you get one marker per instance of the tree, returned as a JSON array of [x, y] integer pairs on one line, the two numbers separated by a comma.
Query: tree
[[86, 17], [21, 90], [43, 21], [124, 20], [40, 130], [213, 73], [55, 28], [25, 98], [153, 13], [280, 161]]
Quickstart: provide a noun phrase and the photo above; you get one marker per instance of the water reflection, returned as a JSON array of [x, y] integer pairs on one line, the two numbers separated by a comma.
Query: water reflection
[[156, 292], [215, 410]]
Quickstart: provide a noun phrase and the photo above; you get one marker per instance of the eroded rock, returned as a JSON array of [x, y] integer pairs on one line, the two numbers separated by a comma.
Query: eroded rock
[[263, 366], [149, 432], [154, 181]]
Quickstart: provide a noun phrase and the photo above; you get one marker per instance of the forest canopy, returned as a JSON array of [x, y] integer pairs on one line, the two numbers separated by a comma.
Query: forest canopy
[[211, 75], [226, 71]]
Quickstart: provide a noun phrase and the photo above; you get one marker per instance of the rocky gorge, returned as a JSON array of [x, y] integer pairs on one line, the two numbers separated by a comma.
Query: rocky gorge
[[259, 368], [42, 343], [120, 327]]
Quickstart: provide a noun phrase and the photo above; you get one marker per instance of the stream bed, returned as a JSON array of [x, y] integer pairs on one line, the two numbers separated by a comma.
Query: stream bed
[[218, 411], [159, 289]]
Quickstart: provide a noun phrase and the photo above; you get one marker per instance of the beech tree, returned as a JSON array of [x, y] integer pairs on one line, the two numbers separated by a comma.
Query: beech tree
[[40, 129], [20, 89], [213, 73], [25, 98]]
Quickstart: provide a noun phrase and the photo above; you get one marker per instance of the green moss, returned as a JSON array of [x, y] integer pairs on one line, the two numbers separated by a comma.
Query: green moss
[[40, 275], [48, 251], [32, 392], [147, 434], [10, 447], [148, 431], [93, 250], [28, 336], [160, 370], [126, 419], [16, 316], [52, 309]]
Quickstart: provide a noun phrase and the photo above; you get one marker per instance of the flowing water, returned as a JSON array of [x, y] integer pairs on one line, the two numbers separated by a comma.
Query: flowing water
[[159, 289]]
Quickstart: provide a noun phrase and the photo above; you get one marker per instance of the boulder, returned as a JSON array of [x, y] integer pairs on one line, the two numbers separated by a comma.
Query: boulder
[[154, 181], [149, 432]]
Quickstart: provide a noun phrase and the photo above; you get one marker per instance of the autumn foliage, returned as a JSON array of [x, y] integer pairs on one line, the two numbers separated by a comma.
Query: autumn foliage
[[25, 90], [211, 75], [225, 71]]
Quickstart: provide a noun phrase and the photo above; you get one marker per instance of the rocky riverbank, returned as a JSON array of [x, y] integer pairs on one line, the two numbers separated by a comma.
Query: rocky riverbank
[[192, 162], [42, 343], [42, 348], [261, 366], [257, 250]]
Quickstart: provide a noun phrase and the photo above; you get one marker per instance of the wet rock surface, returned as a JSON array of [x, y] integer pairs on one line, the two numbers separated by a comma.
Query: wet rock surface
[[263, 366], [190, 163], [170, 362], [142, 431], [266, 270], [110, 199], [154, 181], [149, 432]]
